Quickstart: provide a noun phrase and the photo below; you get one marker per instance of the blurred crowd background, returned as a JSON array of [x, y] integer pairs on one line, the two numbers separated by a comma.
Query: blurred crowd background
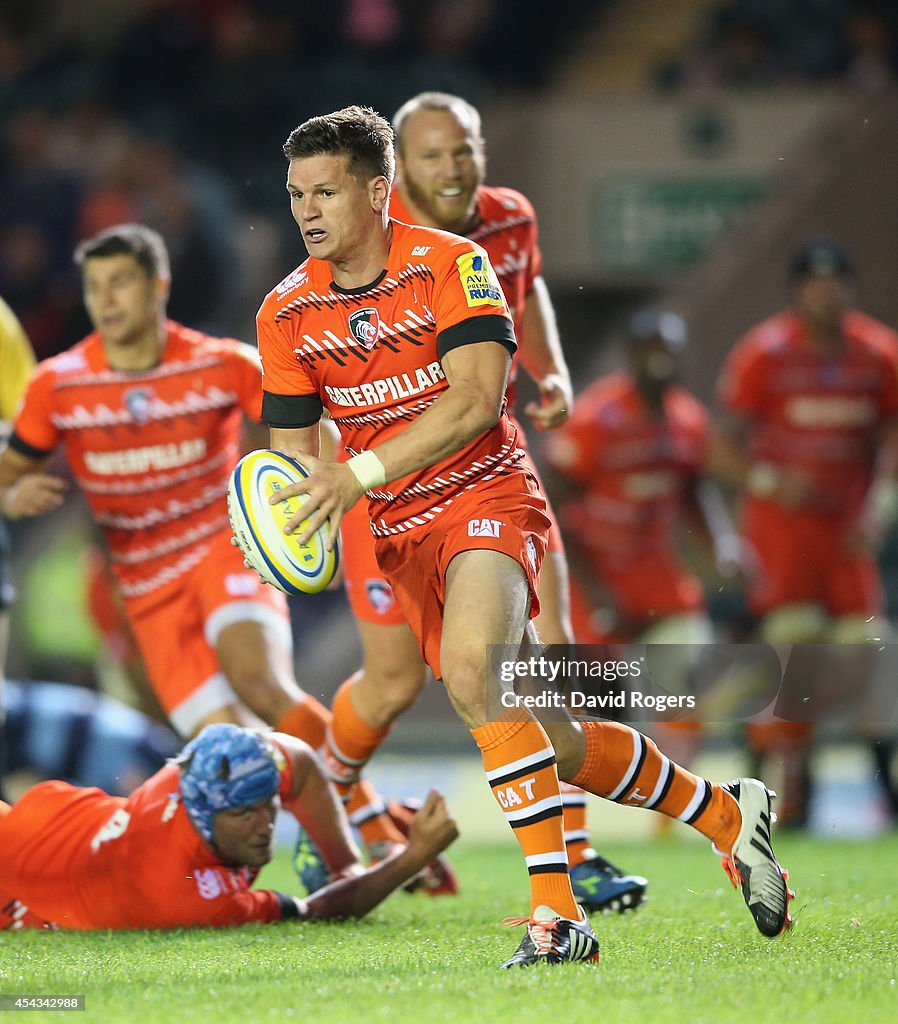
[[676, 151]]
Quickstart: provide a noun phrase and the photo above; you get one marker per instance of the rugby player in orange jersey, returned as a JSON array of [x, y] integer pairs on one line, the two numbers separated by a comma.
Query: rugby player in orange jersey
[[441, 164], [184, 850], [403, 334], [812, 439], [632, 463], [149, 414]]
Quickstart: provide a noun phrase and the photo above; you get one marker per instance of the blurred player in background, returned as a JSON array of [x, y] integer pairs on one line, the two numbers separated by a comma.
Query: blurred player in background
[[812, 437], [16, 364], [441, 164], [184, 850], [634, 457], [150, 414], [61, 731], [404, 335], [633, 461]]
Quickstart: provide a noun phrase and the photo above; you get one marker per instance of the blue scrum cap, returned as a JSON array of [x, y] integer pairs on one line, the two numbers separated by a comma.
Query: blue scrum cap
[[226, 767]]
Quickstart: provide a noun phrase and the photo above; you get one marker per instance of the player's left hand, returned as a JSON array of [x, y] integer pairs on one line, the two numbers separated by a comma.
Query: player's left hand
[[556, 399], [332, 489]]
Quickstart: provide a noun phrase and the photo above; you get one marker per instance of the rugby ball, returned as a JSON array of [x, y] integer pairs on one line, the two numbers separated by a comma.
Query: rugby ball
[[277, 557]]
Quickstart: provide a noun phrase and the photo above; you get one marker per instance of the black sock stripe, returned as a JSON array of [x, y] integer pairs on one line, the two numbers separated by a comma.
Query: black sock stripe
[[521, 773], [637, 768], [665, 789], [534, 819], [548, 869], [703, 806]]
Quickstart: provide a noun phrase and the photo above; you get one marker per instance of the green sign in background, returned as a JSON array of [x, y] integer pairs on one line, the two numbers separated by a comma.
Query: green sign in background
[[652, 224]]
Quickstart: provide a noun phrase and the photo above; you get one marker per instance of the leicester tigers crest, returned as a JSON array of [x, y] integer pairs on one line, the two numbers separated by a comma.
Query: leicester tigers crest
[[365, 326], [139, 402]]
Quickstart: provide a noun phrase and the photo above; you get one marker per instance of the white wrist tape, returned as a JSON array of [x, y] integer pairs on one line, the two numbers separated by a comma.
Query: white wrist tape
[[368, 470]]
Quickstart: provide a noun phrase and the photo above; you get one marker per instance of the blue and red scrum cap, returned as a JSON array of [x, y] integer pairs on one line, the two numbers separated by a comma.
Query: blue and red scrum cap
[[226, 767]]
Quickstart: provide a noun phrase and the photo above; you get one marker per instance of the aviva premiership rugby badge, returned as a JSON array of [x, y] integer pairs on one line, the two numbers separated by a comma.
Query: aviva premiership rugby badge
[[478, 280], [364, 324]]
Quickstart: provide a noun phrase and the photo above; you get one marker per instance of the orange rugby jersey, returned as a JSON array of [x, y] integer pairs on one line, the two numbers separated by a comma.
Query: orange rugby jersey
[[371, 357], [817, 414], [506, 227], [135, 862], [151, 450], [631, 467]]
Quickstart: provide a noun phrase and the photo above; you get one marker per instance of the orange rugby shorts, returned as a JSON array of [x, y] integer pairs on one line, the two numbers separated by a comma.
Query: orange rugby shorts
[[506, 514]]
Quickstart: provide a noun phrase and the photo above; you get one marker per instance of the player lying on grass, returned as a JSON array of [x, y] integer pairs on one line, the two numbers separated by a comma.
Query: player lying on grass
[[185, 848]]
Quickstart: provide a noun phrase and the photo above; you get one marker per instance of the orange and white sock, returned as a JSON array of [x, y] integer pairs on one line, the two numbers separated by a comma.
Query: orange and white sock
[[623, 765], [576, 832], [308, 720], [350, 741], [367, 812], [519, 762]]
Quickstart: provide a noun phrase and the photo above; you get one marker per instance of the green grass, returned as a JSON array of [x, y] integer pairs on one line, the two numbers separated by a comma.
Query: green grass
[[691, 954]]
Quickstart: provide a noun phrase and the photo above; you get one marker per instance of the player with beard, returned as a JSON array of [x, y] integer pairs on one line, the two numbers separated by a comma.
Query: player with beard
[[441, 165], [403, 335]]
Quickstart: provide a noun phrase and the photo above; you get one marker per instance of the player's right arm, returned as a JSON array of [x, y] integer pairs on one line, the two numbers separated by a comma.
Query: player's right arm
[[25, 490]]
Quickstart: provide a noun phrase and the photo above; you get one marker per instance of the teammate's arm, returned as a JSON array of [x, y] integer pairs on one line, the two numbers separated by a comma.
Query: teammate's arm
[[729, 463], [314, 804], [703, 498], [540, 352], [880, 510], [25, 490], [431, 831], [472, 404]]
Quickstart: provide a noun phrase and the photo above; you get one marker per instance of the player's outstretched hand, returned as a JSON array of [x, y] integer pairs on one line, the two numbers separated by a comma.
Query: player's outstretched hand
[[34, 495], [433, 828], [555, 403]]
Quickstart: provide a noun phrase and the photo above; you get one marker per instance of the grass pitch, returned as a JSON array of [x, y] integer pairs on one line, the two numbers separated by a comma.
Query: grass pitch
[[691, 954]]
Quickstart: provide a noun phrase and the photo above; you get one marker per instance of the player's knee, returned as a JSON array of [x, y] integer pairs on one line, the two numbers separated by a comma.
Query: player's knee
[[464, 673], [795, 624], [262, 692]]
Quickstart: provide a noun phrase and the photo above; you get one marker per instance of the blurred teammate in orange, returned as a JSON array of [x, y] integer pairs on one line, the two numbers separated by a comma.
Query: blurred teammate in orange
[[403, 334], [150, 414], [812, 438], [184, 850], [17, 362], [633, 460], [441, 164]]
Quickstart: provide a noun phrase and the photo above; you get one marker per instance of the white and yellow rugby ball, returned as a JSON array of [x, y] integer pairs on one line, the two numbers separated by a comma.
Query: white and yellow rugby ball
[[258, 526]]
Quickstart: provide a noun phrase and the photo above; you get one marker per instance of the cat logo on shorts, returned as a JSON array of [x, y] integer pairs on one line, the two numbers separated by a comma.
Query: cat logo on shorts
[[478, 280], [365, 326]]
